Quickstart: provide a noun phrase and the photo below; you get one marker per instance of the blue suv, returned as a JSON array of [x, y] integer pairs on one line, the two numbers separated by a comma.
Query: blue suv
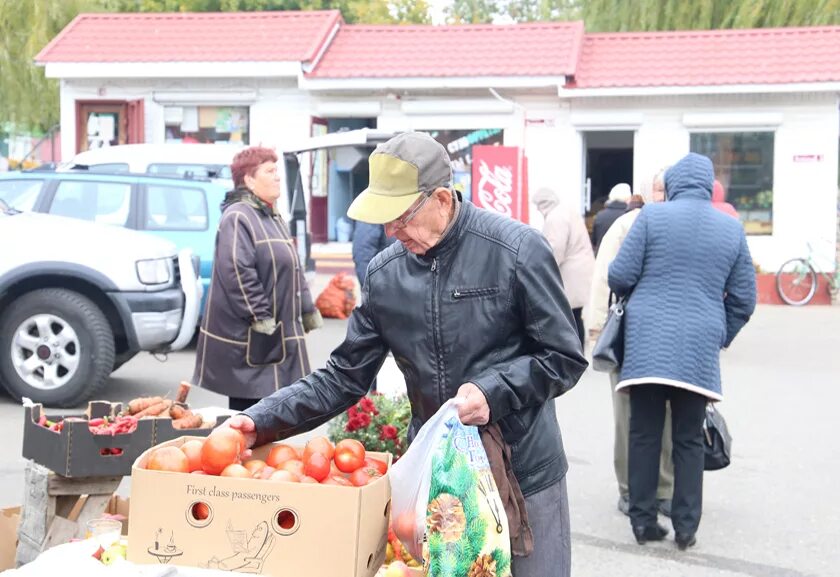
[[182, 210]]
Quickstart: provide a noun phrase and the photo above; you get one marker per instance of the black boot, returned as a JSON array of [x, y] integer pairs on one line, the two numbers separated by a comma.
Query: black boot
[[655, 532], [684, 541]]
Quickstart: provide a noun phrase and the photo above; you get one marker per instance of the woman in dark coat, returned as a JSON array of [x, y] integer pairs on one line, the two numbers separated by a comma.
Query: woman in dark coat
[[259, 306], [691, 281]]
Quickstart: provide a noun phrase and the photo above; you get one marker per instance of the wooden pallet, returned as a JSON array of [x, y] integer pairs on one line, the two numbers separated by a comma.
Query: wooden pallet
[[56, 509]]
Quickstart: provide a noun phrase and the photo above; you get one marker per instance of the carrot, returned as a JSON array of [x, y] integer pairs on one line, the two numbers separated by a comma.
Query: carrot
[[142, 403], [179, 412], [189, 422], [183, 391], [155, 410]]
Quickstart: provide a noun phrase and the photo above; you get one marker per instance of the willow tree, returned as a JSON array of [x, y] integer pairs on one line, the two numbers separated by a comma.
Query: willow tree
[[649, 15]]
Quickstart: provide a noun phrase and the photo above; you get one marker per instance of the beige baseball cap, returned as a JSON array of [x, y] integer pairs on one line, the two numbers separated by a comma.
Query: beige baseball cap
[[401, 169]]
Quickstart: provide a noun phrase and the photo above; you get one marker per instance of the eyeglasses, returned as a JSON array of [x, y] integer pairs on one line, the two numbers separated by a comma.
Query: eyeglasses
[[402, 222]]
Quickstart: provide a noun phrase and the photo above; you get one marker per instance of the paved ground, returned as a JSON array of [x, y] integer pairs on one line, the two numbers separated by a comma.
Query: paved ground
[[773, 513]]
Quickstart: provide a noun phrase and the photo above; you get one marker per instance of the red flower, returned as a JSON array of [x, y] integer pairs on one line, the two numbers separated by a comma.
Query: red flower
[[351, 412], [388, 432], [367, 405], [363, 419]]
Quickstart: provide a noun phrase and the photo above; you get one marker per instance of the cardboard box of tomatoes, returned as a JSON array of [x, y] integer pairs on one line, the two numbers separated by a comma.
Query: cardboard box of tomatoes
[[100, 443], [319, 510]]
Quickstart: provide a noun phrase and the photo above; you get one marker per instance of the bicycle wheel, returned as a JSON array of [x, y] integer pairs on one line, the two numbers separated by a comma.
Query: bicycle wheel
[[796, 282]]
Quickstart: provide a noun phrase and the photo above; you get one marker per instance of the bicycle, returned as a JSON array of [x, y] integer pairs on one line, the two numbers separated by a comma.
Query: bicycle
[[796, 280]]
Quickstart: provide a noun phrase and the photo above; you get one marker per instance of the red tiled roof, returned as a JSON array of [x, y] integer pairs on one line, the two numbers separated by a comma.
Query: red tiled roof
[[714, 57], [536, 49], [192, 37]]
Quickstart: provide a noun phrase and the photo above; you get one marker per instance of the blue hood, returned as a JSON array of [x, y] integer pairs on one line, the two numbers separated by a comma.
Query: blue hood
[[692, 177]]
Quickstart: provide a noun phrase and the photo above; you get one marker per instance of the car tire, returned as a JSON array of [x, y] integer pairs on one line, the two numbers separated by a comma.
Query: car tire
[[56, 348]]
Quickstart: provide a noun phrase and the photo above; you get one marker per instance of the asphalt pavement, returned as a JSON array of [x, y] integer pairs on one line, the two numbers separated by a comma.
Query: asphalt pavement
[[772, 513]]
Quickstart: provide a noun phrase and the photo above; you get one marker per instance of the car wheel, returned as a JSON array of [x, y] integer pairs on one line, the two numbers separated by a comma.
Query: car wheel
[[56, 347]]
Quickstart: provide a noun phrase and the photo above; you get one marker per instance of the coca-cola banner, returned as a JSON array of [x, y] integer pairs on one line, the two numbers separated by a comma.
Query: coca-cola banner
[[499, 180]]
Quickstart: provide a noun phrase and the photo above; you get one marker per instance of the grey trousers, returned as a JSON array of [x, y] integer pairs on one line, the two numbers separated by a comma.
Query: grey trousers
[[548, 516], [621, 447]]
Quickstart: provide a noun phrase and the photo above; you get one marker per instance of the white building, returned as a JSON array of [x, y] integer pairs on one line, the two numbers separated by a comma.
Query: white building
[[589, 110]]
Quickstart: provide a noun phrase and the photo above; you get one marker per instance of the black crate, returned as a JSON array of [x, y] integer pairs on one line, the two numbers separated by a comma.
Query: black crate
[[76, 452]]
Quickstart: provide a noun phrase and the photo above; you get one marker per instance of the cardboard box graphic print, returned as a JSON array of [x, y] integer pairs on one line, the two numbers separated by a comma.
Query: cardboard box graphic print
[[257, 526]]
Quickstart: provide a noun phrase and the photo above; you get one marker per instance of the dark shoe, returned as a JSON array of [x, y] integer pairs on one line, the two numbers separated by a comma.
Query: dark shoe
[[664, 506], [655, 532], [624, 504], [685, 541]]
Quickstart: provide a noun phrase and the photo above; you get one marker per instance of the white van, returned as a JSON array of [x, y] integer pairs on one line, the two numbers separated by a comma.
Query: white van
[[211, 161]]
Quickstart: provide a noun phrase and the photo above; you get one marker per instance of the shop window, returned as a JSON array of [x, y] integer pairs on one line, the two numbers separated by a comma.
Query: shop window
[[175, 208], [104, 202], [744, 166], [207, 124]]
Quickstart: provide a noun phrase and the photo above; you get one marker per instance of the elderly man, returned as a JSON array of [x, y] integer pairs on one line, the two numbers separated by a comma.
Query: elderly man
[[471, 305]]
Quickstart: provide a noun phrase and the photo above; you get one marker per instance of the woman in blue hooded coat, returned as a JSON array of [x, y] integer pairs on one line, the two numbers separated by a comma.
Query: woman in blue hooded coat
[[691, 281]]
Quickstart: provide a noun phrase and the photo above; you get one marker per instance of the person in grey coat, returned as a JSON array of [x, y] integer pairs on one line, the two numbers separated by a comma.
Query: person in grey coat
[[251, 340], [691, 284], [368, 241]]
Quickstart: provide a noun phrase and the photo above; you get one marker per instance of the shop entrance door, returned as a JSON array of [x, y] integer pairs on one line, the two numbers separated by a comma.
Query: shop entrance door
[[608, 160], [108, 123]]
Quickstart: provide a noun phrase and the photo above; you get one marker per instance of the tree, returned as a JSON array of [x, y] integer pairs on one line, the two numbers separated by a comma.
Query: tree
[[27, 99], [473, 11], [648, 15], [543, 10]]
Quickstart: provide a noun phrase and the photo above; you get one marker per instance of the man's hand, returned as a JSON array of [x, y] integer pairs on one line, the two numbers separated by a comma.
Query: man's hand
[[474, 409], [245, 425]]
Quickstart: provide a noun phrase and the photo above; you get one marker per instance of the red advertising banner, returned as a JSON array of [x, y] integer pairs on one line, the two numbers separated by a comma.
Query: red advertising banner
[[499, 180]]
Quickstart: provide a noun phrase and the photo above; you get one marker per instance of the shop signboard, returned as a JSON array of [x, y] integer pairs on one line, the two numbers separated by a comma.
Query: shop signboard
[[499, 180]]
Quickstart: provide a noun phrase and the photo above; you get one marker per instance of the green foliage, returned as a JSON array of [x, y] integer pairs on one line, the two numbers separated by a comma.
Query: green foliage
[[436, 555], [379, 422], [473, 11], [452, 474], [543, 10], [650, 15], [502, 560]]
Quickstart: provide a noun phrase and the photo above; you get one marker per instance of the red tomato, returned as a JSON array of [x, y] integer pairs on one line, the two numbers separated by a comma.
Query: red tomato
[[280, 454], [294, 466], [169, 459], [347, 461], [254, 465], [308, 479], [284, 476], [363, 476], [316, 466], [352, 445], [192, 449], [221, 449], [405, 526], [380, 466], [264, 473], [200, 511], [319, 445], [236, 470]]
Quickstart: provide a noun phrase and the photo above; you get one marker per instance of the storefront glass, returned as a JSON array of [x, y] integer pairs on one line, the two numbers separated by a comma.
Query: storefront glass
[[459, 144], [210, 124], [744, 166]]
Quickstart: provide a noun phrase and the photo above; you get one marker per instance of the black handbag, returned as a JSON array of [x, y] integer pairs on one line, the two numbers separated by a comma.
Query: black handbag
[[717, 442], [608, 352]]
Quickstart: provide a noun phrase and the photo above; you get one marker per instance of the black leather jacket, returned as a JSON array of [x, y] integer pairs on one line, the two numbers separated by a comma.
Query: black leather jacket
[[485, 305]]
